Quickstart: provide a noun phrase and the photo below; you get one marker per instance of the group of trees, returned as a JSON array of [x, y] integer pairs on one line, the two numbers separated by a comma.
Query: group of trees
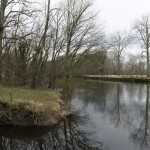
[[115, 58], [36, 40], [38, 43]]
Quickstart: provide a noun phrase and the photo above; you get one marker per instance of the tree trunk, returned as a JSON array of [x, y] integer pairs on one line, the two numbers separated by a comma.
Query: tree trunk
[[34, 81], [118, 65], [1, 49], [3, 5], [148, 74], [52, 78]]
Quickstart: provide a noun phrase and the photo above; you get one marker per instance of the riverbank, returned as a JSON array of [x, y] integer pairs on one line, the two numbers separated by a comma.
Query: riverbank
[[27, 107], [119, 78]]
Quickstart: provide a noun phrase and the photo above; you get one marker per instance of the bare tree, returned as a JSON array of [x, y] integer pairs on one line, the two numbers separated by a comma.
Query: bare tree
[[81, 36], [142, 28], [40, 51], [10, 14], [119, 42], [135, 65], [57, 44]]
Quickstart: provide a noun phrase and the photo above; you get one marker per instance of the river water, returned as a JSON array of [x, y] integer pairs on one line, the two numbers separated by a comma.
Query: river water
[[107, 116]]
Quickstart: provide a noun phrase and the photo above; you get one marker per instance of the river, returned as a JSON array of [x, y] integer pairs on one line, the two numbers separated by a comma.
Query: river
[[107, 116]]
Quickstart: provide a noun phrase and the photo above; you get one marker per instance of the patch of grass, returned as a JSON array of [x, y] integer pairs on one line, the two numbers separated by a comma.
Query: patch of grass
[[32, 100], [28, 107]]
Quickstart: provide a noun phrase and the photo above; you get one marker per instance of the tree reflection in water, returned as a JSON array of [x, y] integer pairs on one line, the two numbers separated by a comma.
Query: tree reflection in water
[[142, 134], [117, 113], [67, 136]]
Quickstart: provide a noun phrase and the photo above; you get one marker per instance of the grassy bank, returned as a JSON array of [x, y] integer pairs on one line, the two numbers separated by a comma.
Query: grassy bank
[[27, 107], [124, 78]]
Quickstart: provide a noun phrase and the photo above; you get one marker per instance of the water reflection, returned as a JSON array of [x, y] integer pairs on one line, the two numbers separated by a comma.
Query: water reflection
[[119, 112], [117, 118], [142, 134], [108, 99], [67, 136]]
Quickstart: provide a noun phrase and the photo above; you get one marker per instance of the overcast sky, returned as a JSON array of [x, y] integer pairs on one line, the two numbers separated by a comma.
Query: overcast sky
[[119, 14]]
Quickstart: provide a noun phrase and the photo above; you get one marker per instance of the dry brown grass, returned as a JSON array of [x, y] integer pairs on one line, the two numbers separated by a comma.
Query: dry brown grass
[[33, 100]]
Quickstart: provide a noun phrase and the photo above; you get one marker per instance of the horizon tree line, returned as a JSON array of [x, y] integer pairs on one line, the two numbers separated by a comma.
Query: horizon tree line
[[40, 44]]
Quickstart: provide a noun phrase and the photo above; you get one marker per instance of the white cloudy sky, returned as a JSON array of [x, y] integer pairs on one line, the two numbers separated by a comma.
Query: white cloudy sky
[[119, 14]]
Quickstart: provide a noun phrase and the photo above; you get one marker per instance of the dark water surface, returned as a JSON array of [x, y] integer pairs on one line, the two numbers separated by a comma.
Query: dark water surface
[[108, 116]]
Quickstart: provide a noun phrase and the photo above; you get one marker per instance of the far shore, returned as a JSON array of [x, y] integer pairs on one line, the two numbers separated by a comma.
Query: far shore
[[120, 78]]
